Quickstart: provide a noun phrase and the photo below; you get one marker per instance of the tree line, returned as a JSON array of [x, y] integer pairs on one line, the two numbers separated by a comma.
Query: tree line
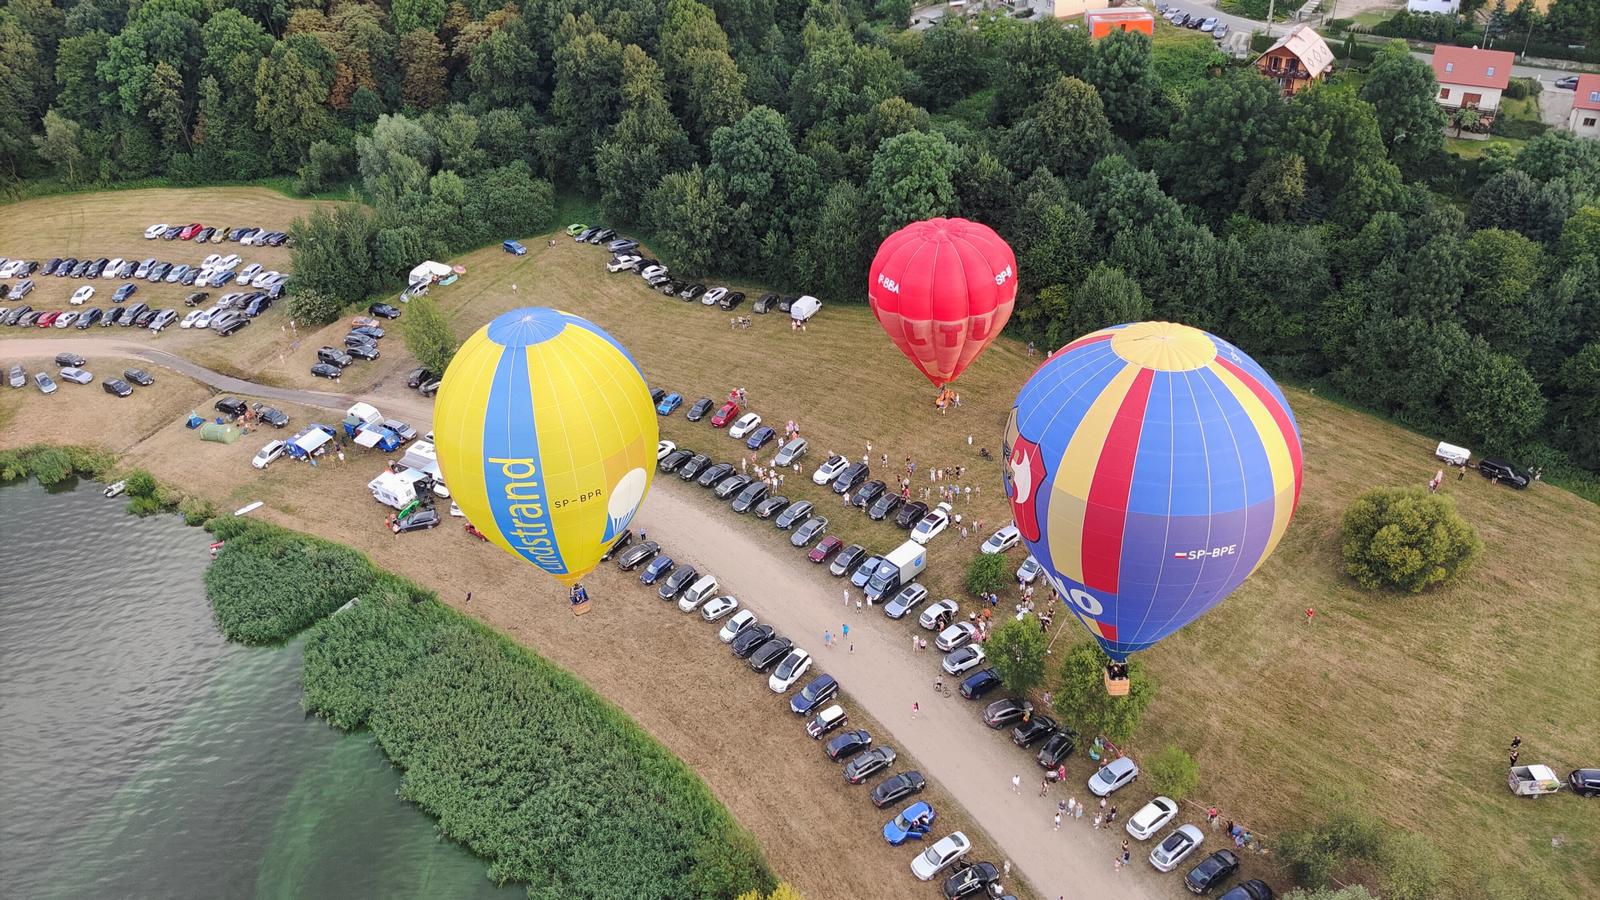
[[1332, 236]]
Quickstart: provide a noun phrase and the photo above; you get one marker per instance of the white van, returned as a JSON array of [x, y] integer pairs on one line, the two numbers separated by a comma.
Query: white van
[[1450, 453], [804, 308], [698, 593]]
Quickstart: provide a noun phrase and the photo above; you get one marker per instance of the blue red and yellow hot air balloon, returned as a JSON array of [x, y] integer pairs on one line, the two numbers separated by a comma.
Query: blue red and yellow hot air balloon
[[1151, 468], [546, 436]]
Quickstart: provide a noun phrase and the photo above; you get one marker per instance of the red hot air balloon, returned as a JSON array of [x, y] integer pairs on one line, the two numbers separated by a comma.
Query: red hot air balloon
[[942, 289]]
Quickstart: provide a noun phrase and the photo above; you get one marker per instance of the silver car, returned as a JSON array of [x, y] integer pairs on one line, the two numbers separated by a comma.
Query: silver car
[[791, 451], [47, 385], [19, 377]]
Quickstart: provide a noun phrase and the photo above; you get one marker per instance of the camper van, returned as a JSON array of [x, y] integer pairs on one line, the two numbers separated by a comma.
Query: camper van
[[1450, 453], [397, 489]]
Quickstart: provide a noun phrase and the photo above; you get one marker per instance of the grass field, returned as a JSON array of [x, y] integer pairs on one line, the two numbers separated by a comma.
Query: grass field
[[1405, 704]]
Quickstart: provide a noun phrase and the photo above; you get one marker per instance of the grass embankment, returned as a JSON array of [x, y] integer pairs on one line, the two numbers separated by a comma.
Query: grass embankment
[[517, 759]]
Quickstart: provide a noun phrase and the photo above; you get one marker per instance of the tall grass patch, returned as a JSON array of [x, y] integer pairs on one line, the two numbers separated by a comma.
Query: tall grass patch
[[268, 584]]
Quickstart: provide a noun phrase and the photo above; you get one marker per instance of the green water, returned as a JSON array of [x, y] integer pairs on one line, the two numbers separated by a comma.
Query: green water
[[143, 756]]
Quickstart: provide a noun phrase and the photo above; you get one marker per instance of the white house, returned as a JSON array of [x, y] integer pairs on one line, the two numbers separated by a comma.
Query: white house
[[1433, 6], [1584, 120], [1471, 77]]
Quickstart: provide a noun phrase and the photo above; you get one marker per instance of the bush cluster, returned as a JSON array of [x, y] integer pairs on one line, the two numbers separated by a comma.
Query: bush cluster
[[268, 584], [1406, 539], [53, 465]]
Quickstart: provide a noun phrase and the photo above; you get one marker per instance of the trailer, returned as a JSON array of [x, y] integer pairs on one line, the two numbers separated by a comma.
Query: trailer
[[360, 415]]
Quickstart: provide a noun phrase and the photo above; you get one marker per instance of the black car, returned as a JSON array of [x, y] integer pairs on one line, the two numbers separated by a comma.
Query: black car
[[911, 514], [50, 267], [751, 495], [1003, 712], [418, 377], [676, 582], [143, 317], [699, 409], [270, 415], [81, 269], [1254, 889], [726, 487], [771, 506], [787, 303], [731, 299], [673, 460], [672, 287], [1058, 748], [171, 234], [70, 359], [132, 313], [848, 744], [657, 395], [849, 478], [204, 234], [980, 878], [1211, 871], [637, 555], [158, 272], [767, 655], [357, 340], [1585, 782], [794, 515], [333, 356], [821, 689], [196, 298], [64, 266], [749, 639], [372, 331], [430, 387], [230, 327], [867, 493], [323, 370], [384, 311], [868, 763], [692, 292], [232, 407], [366, 350], [763, 304], [847, 559], [621, 541], [710, 476], [886, 505], [1498, 470], [117, 386], [897, 788], [1032, 730], [95, 268], [603, 235], [139, 377], [90, 317], [979, 683], [423, 518]]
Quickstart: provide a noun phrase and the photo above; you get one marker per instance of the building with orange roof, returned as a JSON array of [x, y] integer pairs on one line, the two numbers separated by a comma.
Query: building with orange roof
[[1298, 60], [1584, 120], [1101, 22], [1468, 76]]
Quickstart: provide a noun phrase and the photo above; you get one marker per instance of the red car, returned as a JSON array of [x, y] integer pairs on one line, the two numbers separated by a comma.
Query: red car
[[822, 551], [726, 414], [190, 231], [46, 320]]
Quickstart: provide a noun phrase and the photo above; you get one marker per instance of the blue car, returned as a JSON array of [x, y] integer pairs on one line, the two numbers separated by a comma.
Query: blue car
[[124, 292], [514, 248], [669, 403], [821, 689], [759, 437], [912, 824], [657, 569]]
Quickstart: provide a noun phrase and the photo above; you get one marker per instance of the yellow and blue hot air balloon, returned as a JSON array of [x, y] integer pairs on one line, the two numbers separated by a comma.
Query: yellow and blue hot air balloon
[[546, 436], [1151, 469]]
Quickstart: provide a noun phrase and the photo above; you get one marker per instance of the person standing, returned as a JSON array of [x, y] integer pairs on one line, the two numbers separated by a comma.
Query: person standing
[[1111, 817], [1044, 786], [1016, 784], [1211, 818], [847, 599], [469, 598], [827, 638], [915, 708], [846, 631], [1058, 822]]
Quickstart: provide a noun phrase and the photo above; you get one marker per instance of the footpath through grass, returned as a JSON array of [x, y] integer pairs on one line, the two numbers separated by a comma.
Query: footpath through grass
[[517, 759]]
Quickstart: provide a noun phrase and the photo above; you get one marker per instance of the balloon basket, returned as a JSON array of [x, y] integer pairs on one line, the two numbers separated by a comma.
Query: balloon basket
[[1116, 679], [580, 607]]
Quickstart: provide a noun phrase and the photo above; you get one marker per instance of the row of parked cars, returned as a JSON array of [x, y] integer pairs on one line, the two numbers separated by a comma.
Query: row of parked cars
[[1198, 21], [71, 369], [764, 650], [249, 235], [361, 342], [216, 270]]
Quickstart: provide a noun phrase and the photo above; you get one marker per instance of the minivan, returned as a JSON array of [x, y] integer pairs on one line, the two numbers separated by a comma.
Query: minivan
[[698, 593]]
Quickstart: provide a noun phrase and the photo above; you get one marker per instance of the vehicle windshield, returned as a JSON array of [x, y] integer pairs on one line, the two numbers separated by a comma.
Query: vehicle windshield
[[787, 666], [813, 689], [1106, 775]]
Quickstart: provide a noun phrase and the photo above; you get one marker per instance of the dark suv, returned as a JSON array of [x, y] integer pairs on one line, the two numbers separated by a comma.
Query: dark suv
[[849, 478], [232, 406], [1499, 470]]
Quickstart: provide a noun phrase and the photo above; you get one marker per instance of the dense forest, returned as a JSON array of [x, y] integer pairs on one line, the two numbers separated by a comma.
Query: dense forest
[[1332, 236]]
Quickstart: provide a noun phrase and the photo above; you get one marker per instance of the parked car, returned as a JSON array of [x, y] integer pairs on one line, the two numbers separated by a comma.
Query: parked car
[[81, 295], [793, 667], [703, 589], [1003, 712], [1498, 470], [897, 787], [795, 514], [905, 600], [717, 607], [1150, 818], [847, 560], [956, 635], [154, 231], [162, 319], [677, 582], [963, 659], [637, 555], [979, 878], [713, 475], [731, 300], [117, 387], [911, 824], [847, 744], [863, 572], [89, 317], [1584, 782], [979, 683], [724, 414], [735, 626], [139, 377], [730, 485], [623, 245], [267, 454], [69, 359], [826, 721], [932, 525], [1211, 871], [1114, 775], [1002, 540], [824, 549], [323, 370], [790, 452], [1175, 847], [868, 763], [1254, 889], [744, 426], [770, 652], [692, 291], [1032, 730], [622, 263], [821, 689], [419, 519], [18, 377], [943, 609], [867, 493], [693, 466], [851, 478], [940, 856], [749, 495], [885, 506], [46, 384], [771, 506], [515, 248], [759, 437], [806, 533], [1567, 83], [669, 403], [698, 410], [830, 469]]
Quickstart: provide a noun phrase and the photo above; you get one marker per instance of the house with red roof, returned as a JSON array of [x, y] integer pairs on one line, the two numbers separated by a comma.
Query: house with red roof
[[1471, 77], [1584, 120]]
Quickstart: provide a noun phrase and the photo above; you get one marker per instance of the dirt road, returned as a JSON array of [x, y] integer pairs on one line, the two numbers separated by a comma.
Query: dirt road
[[881, 673]]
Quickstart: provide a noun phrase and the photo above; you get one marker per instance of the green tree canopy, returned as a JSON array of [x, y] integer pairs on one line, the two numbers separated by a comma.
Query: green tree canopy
[[1406, 539], [913, 177], [1404, 92], [1083, 704], [1016, 649]]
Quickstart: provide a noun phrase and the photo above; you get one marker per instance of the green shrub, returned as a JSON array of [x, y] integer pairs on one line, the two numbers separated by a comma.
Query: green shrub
[[1314, 854], [1172, 772], [51, 465], [196, 510], [986, 573], [1413, 867], [314, 307], [1406, 539], [269, 583]]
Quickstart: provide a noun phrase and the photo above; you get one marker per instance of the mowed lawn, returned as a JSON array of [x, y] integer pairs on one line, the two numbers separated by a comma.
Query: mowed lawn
[[1403, 704]]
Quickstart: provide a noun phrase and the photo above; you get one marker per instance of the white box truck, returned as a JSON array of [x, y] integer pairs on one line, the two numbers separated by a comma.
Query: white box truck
[[901, 566]]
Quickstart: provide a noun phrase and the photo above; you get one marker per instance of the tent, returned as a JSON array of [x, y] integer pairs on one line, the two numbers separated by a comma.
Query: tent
[[428, 272], [222, 434], [309, 441]]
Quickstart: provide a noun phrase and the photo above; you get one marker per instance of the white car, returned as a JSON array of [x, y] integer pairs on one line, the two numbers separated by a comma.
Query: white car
[[963, 659], [210, 262], [1118, 773], [830, 469], [930, 616], [719, 607], [1175, 847], [741, 620], [956, 635], [455, 510], [1144, 824], [267, 454], [204, 319], [76, 375], [66, 319], [747, 423], [154, 231], [698, 593], [663, 448], [711, 297], [1002, 540], [263, 279], [930, 525], [82, 294], [193, 316], [937, 858], [110, 271], [247, 273], [792, 669], [227, 263], [1029, 571], [649, 272], [622, 263]]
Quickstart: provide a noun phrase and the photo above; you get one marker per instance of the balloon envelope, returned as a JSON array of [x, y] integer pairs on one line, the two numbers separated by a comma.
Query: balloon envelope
[[546, 437], [1151, 468], [942, 289]]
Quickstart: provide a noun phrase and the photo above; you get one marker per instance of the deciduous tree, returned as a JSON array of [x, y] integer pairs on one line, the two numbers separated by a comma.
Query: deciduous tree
[[1228, 130], [1122, 72], [1403, 91], [913, 178], [421, 69], [428, 334], [1083, 704], [1016, 649]]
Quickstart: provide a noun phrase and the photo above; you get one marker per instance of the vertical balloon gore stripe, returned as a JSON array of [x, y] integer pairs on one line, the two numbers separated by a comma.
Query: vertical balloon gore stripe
[[512, 471], [1107, 512], [1280, 417]]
